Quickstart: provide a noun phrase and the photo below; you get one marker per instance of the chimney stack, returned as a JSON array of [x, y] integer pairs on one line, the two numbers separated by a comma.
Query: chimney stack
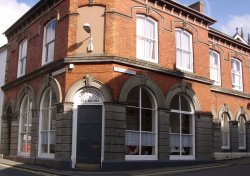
[[242, 34], [198, 6], [248, 40]]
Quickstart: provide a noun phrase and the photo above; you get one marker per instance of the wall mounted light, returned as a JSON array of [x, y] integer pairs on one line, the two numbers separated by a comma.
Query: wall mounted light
[[71, 66], [87, 28]]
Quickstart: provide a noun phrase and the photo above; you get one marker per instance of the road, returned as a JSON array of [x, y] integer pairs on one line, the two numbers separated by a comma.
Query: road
[[6, 170], [240, 169]]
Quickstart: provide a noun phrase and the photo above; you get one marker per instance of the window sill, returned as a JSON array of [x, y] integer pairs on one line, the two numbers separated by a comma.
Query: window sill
[[225, 147], [46, 155], [147, 60], [140, 157], [180, 69], [24, 154]]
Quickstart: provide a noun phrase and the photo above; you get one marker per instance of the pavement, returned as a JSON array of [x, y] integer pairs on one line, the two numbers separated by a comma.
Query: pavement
[[146, 172]]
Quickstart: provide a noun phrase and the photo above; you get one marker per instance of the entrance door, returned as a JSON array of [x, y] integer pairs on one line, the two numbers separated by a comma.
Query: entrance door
[[89, 128]]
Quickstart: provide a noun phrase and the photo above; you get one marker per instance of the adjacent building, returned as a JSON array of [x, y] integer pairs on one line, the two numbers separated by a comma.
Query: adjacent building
[[102, 83], [3, 57]]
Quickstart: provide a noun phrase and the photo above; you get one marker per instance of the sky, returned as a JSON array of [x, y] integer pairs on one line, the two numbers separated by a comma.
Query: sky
[[229, 14]]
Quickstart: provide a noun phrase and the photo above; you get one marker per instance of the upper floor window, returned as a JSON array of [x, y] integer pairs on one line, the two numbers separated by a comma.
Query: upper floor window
[[215, 67], [225, 131], [146, 39], [242, 132], [49, 42], [22, 58], [237, 74], [184, 50]]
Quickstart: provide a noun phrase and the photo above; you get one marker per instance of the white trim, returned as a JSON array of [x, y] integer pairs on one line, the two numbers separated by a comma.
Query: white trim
[[74, 125], [40, 154], [28, 110], [45, 43], [156, 48], [216, 82], [234, 72], [181, 157], [141, 157], [154, 123], [22, 60], [185, 157], [181, 31]]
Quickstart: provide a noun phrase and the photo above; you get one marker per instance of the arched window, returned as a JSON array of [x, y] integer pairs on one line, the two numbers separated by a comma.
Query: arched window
[[141, 125], [47, 124], [181, 128], [146, 39], [49, 41], [25, 123], [225, 131], [215, 67], [242, 132], [184, 50]]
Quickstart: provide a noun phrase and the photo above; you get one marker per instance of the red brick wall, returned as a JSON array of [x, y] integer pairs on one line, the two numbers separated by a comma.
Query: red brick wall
[[120, 40]]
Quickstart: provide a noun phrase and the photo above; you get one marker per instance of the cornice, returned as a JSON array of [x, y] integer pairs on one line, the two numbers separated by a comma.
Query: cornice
[[227, 38], [105, 59], [39, 72], [39, 9], [139, 64], [179, 8], [230, 92]]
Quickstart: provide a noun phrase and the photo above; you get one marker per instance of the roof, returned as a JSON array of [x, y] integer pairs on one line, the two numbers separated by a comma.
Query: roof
[[190, 11], [231, 39], [30, 15]]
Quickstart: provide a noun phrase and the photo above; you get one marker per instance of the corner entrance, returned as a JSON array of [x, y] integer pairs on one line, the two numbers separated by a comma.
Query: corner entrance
[[89, 130]]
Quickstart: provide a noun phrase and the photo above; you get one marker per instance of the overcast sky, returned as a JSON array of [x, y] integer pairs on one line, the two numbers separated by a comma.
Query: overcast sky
[[229, 14]]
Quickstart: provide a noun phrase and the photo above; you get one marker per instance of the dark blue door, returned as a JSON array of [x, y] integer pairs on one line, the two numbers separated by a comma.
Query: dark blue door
[[89, 131]]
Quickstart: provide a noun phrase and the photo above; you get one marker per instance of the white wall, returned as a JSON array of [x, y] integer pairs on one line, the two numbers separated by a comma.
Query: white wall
[[3, 58]]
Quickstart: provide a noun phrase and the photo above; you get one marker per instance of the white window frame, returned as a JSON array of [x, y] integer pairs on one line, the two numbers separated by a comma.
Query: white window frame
[[28, 115], [153, 40], [242, 121], [154, 123], [22, 58], [180, 112], [49, 131], [225, 131], [237, 73], [179, 61], [215, 55], [47, 44]]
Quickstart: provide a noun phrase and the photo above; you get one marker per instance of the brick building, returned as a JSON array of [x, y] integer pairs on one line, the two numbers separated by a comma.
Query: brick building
[[98, 83]]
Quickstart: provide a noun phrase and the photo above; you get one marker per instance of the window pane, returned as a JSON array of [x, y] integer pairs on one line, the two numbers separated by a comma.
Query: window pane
[[53, 118], [145, 96], [45, 120], [175, 103], [146, 47], [50, 53], [133, 97], [185, 106], [52, 142], [186, 124], [147, 120], [178, 39], [44, 142], [174, 123], [132, 118]]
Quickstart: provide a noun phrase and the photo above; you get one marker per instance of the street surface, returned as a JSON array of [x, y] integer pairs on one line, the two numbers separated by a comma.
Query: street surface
[[6, 170], [233, 169]]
